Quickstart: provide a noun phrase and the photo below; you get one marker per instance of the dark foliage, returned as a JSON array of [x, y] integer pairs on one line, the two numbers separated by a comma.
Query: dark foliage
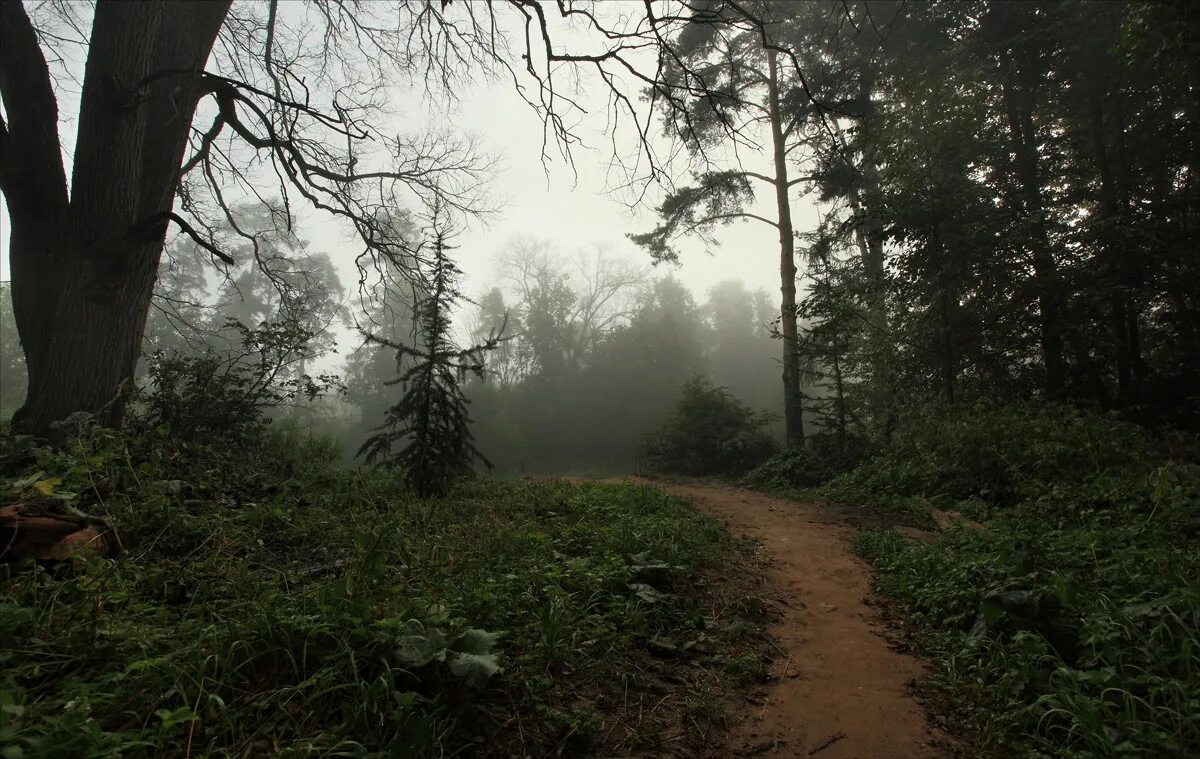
[[1067, 625], [267, 601], [825, 457], [1068, 462], [710, 432], [224, 396], [430, 424]]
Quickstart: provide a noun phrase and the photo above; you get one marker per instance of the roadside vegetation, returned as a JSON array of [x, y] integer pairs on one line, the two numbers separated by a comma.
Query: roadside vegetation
[[234, 238], [1061, 616], [263, 599], [708, 433]]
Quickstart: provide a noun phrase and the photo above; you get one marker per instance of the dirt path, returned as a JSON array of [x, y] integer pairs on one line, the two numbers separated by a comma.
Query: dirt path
[[839, 690]]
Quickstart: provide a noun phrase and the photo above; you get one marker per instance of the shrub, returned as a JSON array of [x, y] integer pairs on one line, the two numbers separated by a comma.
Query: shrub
[[224, 396], [1058, 457], [819, 461], [709, 432]]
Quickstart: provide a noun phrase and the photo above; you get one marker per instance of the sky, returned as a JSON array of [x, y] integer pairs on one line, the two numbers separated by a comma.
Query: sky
[[576, 211], [580, 212]]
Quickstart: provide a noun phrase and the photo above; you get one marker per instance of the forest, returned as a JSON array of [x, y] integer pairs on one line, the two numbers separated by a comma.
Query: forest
[[439, 378]]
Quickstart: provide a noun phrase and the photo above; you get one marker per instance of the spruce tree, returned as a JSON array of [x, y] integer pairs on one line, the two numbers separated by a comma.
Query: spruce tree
[[427, 432]]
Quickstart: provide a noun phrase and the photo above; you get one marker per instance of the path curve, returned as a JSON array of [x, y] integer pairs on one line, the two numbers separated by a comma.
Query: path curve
[[838, 690]]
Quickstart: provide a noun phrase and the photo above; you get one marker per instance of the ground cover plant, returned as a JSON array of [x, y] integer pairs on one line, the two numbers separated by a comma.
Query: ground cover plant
[[1067, 625], [266, 601], [709, 432], [794, 469], [231, 233]]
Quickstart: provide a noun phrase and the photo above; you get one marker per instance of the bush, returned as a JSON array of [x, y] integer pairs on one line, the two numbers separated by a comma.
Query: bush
[[819, 461], [709, 432], [1056, 457], [217, 396]]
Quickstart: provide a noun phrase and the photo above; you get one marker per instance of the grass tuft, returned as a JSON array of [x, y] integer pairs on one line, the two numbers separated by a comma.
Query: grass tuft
[[270, 602]]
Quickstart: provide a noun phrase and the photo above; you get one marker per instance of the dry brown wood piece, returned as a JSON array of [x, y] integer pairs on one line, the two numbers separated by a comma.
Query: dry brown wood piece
[[45, 530], [947, 519]]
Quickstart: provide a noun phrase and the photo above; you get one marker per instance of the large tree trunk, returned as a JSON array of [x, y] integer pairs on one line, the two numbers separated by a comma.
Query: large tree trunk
[[793, 400], [870, 234], [839, 388], [946, 360], [83, 268], [947, 287], [1018, 86], [1131, 262], [1121, 315], [32, 178]]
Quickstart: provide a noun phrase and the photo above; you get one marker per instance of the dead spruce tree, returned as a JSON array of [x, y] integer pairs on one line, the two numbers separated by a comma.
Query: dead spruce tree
[[427, 433]]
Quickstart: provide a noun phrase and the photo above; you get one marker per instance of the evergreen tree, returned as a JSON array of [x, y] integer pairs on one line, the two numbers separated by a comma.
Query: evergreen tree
[[430, 424], [737, 92]]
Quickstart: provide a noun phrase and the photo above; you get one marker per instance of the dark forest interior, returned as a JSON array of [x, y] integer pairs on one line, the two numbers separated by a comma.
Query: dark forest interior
[[447, 378]]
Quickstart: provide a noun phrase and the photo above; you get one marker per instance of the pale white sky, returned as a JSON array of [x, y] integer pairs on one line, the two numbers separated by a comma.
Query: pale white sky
[[580, 213], [575, 212]]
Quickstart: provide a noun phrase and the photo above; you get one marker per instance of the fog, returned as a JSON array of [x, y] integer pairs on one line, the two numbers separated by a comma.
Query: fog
[[541, 407], [587, 377], [596, 346], [596, 341]]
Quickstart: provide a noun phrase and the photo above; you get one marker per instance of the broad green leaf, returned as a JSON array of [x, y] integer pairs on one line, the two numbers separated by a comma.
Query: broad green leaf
[[476, 641], [646, 593], [172, 718], [46, 487], [25, 482], [419, 650], [475, 670], [992, 613]]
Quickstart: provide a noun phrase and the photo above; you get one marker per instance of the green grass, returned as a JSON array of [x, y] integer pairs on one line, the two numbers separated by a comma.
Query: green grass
[[1070, 626], [270, 602], [1079, 641]]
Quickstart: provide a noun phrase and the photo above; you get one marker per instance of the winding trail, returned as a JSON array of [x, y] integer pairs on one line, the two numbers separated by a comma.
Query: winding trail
[[838, 689]]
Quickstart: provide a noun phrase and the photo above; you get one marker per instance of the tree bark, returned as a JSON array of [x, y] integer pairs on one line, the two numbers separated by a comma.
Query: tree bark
[[83, 269], [947, 289], [33, 180], [870, 235], [1018, 89], [1120, 316], [946, 332], [839, 387], [793, 400], [1131, 262]]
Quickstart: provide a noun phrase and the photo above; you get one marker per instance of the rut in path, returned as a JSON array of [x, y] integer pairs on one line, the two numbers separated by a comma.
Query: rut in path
[[838, 689]]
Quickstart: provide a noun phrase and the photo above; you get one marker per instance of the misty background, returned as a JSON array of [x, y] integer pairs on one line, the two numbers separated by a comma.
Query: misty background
[[599, 341]]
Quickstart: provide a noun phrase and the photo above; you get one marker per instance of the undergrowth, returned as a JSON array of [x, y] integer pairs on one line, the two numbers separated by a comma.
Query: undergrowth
[[708, 433], [266, 601], [1070, 624]]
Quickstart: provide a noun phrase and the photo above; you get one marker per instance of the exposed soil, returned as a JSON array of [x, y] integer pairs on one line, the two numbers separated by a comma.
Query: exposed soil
[[839, 688]]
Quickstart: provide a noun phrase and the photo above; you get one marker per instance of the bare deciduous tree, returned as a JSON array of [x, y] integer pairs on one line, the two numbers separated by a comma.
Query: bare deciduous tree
[[188, 108], [590, 292]]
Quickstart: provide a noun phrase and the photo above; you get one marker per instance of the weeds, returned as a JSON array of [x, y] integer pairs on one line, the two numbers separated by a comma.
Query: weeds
[[274, 603], [1069, 626]]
